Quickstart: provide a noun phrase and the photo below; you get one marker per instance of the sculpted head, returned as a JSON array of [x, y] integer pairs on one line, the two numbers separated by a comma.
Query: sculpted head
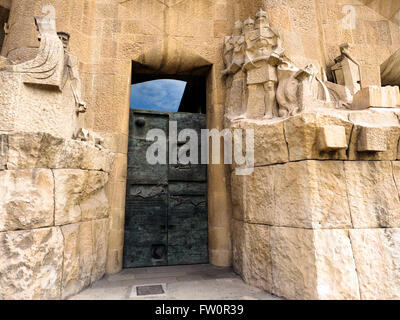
[[248, 25], [64, 37], [238, 28], [261, 19]]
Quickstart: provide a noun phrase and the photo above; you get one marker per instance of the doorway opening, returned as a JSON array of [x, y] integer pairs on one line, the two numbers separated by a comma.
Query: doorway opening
[[166, 216]]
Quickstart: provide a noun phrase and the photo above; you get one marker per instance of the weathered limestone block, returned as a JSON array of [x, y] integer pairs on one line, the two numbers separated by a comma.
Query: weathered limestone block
[[294, 270], [74, 186], [3, 151], [237, 228], [306, 194], [78, 257], [373, 194], [269, 141], [377, 129], [252, 253], [376, 97], [69, 186], [371, 139], [8, 99], [336, 268], [257, 267], [311, 194], [254, 199], [95, 207], [302, 135], [27, 199], [100, 244], [84, 255], [31, 264], [32, 150], [377, 257], [52, 111], [313, 264], [332, 138]]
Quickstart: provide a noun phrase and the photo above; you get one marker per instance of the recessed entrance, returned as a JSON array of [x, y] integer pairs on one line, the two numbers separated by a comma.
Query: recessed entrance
[[166, 218]]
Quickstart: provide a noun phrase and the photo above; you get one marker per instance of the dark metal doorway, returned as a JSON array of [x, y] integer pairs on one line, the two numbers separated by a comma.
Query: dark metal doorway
[[166, 205]]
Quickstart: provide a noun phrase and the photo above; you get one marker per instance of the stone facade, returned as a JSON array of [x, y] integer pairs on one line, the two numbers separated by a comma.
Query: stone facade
[[316, 80], [54, 216]]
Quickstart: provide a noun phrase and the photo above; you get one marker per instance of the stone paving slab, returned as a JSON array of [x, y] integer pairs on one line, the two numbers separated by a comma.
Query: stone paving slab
[[197, 282]]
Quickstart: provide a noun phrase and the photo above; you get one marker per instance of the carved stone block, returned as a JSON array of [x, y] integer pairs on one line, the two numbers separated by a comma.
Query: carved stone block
[[332, 138], [376, 97], [372, 139]]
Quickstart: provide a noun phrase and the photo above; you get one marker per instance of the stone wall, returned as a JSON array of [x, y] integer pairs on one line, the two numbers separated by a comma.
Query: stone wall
[[319, 218], [53, 215]]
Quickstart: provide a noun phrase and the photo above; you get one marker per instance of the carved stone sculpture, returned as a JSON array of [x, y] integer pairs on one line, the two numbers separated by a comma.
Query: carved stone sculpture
[[263, 83], [71, 72], [48, 67], [234, 51], [346, 71], [47, 87], [263, 52]]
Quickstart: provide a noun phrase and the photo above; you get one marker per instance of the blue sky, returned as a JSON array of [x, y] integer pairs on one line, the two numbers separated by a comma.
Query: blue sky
[[164, 95]]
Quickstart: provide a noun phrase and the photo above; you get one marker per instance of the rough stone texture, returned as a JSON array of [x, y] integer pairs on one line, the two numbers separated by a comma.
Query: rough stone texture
[[84, 255], [371, 139], [332, 138], [386, 123], [377, 97], [336, 269], [100, 242], [27, 200], [33, 150], [307, 194], [269, 141], [257, 268], [74, 186], [294, 270], [237, 228], [313, 264], [31, 264], [377, 257], [302, 136], [78, 257], [3, 151], [252, 253], [373, 194]]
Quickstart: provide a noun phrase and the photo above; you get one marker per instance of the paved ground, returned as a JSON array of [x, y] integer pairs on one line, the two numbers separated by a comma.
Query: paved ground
[[197, 282]]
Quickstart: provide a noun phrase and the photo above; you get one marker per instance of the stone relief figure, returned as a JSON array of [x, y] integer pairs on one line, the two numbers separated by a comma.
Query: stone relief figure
[[56, 108], [263, 53], [47, 68], [71, 72], [263, 83], [234, 51], [346, 71], [299, 88]]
